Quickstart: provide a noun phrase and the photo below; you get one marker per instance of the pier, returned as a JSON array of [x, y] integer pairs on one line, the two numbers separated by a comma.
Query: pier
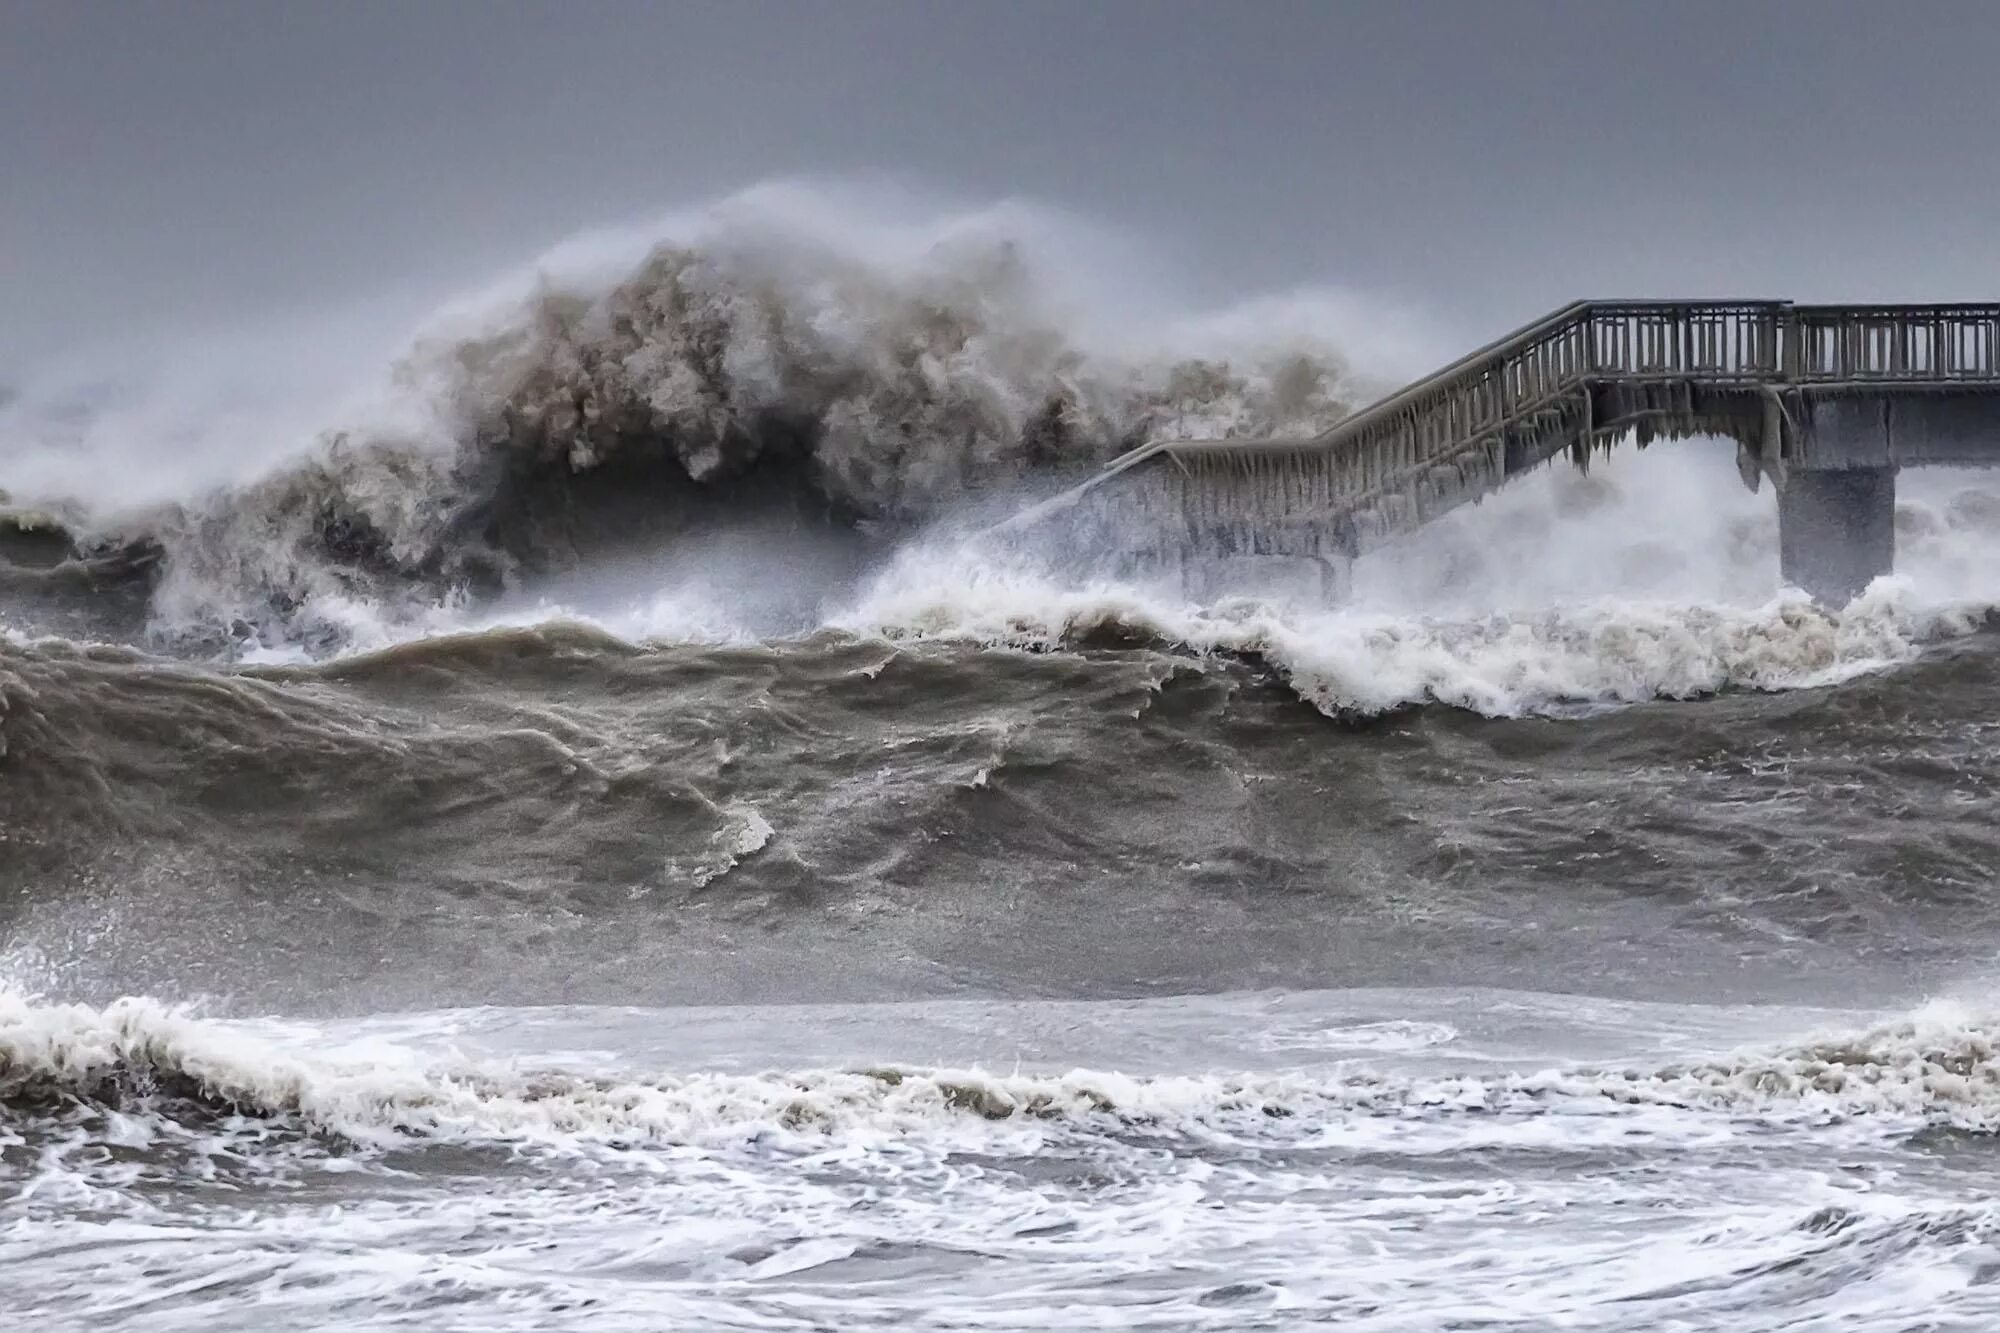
[[1825, 403]]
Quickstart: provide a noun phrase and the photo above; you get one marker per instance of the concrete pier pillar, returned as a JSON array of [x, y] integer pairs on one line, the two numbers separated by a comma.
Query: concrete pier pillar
[[1837, 530]]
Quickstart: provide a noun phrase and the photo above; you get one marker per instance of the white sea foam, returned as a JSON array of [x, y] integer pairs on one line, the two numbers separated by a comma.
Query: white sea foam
[[1940, 1064], [1380, 1037], [1500, 664], [303, 1170], [892, 354], [1657, 581]]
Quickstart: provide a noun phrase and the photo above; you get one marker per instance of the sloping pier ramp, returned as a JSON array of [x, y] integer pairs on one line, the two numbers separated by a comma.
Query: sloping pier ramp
[[1827, 402]]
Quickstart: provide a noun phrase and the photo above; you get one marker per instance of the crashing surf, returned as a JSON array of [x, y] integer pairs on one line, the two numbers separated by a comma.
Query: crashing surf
[[1938, 1066], [749, 363]]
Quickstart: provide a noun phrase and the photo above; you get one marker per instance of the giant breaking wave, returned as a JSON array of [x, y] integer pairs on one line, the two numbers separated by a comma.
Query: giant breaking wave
[[781, 384], [758, 360]]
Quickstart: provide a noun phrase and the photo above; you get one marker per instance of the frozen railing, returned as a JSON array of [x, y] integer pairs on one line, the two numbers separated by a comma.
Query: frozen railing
[[1457, 432], [1714, 343], [1525, 382], [1938, 344]]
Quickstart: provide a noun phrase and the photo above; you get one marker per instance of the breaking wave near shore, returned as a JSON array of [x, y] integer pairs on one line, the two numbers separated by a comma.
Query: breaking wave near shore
[[741, 1198], [791, 413], [138, 1057]]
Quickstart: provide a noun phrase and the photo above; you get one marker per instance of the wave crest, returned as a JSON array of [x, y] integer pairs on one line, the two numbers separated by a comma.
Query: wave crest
[[1364, 661], [751, 364], [1940, 1065]]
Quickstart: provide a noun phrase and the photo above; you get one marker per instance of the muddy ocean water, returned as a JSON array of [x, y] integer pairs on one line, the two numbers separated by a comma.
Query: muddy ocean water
[[505, 872]]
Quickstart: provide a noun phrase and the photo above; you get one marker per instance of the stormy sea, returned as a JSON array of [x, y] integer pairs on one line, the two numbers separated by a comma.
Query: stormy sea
[[578, 823]]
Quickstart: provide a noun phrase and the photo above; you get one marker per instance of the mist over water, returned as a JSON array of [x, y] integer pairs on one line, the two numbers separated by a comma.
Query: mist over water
[[822, 352], [569, 816]]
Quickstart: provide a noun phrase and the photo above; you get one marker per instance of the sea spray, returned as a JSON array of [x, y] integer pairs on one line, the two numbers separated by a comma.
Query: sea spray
[[771, 353], [1938, 1064]]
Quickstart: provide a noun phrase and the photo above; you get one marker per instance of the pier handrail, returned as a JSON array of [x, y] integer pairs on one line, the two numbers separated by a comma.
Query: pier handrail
[[1552, 364], [1499, 350]]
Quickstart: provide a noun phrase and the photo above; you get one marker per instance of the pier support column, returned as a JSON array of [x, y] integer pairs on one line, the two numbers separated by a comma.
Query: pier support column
[[1837, 530], [1336, 579]]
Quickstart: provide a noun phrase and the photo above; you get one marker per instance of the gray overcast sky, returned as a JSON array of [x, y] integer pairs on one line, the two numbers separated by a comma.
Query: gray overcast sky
[[186, 162]]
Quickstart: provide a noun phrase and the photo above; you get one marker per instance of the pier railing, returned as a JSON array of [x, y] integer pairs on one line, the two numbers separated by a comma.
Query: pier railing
[[1716, 343], [1901, 344], [1551, 362], [1456, 433]]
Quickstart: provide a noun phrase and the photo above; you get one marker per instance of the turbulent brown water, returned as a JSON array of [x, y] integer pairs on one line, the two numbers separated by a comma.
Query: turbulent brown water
[[636, 860], [549, 814]]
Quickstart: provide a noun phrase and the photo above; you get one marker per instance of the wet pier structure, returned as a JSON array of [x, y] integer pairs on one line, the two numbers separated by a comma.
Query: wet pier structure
[[1825, 403]]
